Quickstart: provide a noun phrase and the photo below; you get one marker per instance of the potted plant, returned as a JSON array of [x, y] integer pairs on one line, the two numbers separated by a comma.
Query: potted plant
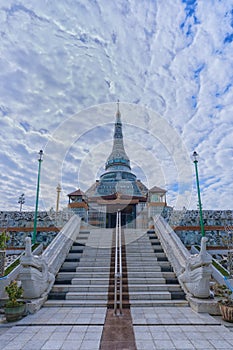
[[3, 240], [225, 301], [14, 308]]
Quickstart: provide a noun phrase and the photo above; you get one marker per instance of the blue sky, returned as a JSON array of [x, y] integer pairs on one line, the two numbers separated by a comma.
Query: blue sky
[[64, 64]]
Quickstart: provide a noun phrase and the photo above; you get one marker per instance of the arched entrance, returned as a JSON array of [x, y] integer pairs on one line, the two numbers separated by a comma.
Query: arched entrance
[[128, 215]]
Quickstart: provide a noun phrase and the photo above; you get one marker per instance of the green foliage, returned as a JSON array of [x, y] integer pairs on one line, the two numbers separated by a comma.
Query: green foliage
[[220, 268], [217, 265], [223, 294], [12, 266], [4, 237], [14, 293]]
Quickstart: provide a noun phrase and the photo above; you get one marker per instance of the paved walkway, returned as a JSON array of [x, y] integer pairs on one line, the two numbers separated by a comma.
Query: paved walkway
[[76, 328]]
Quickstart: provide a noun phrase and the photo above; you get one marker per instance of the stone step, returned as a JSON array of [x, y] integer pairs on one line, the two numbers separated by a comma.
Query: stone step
[[154, 240], [134, 288], [135, 254], [74, 250], [147, 258], [96, 252], [97, 263], [162, 303], [156, 244], [92, 271], [142, 274], [103, 303], [162, 258], [153, 295], [87, 296], [166, 267], [80, 288], [149, 253], [139, 281], [151, 280], [165, 274], [91, 251], [95, 256], [144, 268], [90, 275], [159, 255], [69, 260], [75, 303], [67, 269], [72, 275], [69, 264], [152, 262], [82, 281], [139, 250], [154, 287], [93, 268], [155, 268], [144, 280], [100, 252], [74, 255], [163, 263], [77, 245], [82, 240], [94, 260], [158, 250]]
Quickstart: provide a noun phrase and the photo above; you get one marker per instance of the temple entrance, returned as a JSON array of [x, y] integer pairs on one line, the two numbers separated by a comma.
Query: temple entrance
[[128, 216]]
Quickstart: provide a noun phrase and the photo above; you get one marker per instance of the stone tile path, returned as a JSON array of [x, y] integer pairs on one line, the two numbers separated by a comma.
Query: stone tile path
[[172, 328], [55, 328], [77, 328]]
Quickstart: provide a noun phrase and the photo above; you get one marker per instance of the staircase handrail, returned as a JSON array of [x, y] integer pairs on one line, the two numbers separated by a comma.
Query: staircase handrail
[[58, 249], [116, 265], [171, 244], [120, 263], [118, 268], [37, 273], [193, 271]]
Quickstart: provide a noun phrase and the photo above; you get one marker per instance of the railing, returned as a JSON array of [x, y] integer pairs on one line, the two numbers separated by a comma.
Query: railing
[[118, 269], [175, 250]]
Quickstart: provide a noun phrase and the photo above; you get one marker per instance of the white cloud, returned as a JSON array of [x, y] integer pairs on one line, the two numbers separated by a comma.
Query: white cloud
[[174, 57]]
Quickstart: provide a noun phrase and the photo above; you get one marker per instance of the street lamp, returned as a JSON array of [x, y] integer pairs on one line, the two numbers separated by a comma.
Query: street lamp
[[21, 201], [195, 161], [37, 197]]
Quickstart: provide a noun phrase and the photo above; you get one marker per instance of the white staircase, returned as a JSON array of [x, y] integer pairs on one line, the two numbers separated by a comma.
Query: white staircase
[[151, 281], [86, 277], [85, 280]]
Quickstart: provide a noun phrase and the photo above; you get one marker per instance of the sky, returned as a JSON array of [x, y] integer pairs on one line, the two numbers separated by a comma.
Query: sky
[[63, 66]]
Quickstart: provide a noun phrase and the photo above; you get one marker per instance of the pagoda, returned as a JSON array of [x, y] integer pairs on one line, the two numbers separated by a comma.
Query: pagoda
[[118, 188]]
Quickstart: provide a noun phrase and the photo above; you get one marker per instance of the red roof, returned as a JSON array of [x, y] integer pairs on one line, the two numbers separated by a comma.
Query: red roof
[[156, 189], [116, 195], [76, 193]]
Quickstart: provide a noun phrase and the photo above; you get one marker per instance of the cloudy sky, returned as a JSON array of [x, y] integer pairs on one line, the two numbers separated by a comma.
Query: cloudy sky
[[65, 63]]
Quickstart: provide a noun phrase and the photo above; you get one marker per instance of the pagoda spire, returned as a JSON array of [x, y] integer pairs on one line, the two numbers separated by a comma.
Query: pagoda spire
[[118, 113], [118, 158]]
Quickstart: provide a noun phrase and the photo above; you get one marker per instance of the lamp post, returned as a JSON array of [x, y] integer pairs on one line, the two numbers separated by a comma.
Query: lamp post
[[21, 201], [37, 197], [195, 161]]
